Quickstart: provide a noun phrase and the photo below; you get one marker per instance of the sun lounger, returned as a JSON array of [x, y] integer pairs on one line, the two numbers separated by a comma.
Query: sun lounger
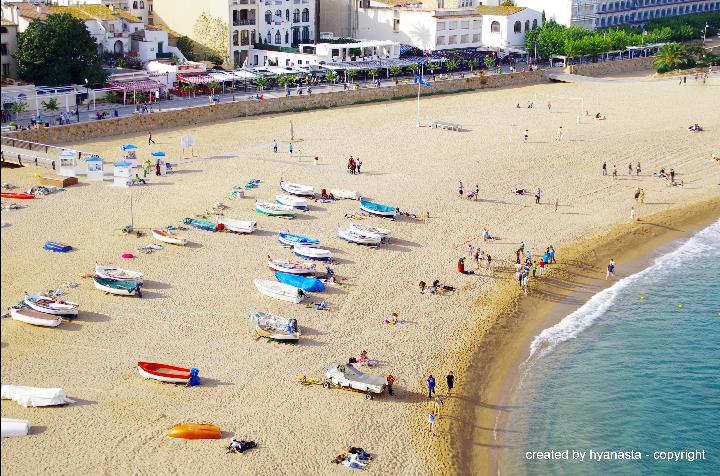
[[445, 125]]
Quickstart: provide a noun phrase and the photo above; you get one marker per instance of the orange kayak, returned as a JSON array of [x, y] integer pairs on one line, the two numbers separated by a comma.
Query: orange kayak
[[17, 196], [195, 431]]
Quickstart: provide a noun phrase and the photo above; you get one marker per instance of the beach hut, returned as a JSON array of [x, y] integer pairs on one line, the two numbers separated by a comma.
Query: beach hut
[[121, 174], [68, 162], [161, 157], [129, 154], [94, 166]]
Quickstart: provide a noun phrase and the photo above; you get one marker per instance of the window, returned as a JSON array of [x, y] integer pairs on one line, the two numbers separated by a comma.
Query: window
[[305, 15], [441, 40], [452, 25], [296, 16], [441, 25], [306, 33], [244, 38], [396, 25], [517, 27], [452, 40], [476, 37], [464, 25], [235, 38], [477, 24], [278, 14], [278, 37], [495, 27], [135, 5], [268, 17], [6, 69], [287, 37], [142, 5], [465, 39], [252, 37], [534, 27], [287, 15], [268, 37], [3, 49], [527, 25], [3, 29]]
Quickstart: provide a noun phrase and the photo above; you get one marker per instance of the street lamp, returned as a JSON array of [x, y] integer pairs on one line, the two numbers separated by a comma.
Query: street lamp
[[87, 90], [705, 32]]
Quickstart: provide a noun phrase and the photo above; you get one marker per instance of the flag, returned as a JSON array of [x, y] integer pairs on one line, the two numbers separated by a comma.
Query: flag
[[419, 79]]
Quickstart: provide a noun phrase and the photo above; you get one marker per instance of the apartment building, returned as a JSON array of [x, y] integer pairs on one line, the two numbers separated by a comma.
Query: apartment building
[[276, 23], [608, 13], [7, 46]]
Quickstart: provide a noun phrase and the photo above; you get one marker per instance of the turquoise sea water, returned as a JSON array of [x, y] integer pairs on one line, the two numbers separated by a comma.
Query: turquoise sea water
[[629, 371]]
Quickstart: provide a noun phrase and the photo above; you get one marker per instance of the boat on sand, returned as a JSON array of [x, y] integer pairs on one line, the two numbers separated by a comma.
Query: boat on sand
[[167, 237], [119, 274], [238, 226], [36, 318], [284, 292], [164, 373], [195, 431], [50, 305], [274, 209], [290, 266], [121, 288]]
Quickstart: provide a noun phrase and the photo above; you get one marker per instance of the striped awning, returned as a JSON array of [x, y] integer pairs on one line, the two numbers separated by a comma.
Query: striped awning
[[196, 78], [135, 85]]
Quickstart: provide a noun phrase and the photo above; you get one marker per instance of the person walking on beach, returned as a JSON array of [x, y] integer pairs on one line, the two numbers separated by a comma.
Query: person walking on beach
[[604, 168], [477, 192], [610, 269], [525, 283], [489, 265], [632, 213], [471, 250], [358, 163], [150, 138], [461, 189], [537, 196], [390, 379], [637, 169], [549, 106], [630, 170], [461, 265], [614, 172], [525, 135], [559, 134], [519, 276], [541, 264], [534, 269], [450, 379], [431, 421], [274, 146], [157, 168], [431, 386], [551, 254]]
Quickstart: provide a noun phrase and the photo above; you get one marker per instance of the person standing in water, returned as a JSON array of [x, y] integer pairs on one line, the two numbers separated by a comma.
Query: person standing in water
[[610, 269]]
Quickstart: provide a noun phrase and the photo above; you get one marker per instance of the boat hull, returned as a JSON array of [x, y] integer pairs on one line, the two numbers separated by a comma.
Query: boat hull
[[47, 306], [288, 239], [120, 289], [163, 373], [274, 210], [316, 254], [292, 267], [290, 201], [12, 427], [195, 431], [297, 189], [35, 318], [238, 226], [57, 247], [118, 274], [17, 196], [283, 292], [169, 238]]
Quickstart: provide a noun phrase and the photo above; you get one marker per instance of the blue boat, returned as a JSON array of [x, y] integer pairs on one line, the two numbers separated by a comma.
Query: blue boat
[[289, 239], [57, 247], [302, 282], [377, 209]]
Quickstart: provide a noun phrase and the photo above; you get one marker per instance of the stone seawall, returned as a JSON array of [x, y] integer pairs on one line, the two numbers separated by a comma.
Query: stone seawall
[[73, 133], [609, 67]]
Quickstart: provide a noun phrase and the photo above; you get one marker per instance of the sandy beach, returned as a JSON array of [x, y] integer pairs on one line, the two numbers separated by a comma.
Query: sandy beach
[[196, 298]]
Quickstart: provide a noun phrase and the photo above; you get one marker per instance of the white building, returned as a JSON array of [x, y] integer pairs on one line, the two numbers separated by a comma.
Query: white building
[[606, 13], [324, 53], [111, 28], [287, 22], [447, 28]]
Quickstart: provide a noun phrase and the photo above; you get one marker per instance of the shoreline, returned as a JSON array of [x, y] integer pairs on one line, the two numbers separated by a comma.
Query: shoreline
[[476, 418]]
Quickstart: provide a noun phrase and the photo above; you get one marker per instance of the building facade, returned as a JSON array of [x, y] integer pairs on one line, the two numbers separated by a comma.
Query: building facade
[[7, 47], [594, 14], [276, 23]]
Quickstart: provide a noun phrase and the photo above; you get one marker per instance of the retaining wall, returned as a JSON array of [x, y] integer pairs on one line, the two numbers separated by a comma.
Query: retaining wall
[[73, 133], [608, 67]]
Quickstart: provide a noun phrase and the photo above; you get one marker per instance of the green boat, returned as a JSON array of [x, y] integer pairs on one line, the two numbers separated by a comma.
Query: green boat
[[275, 209]]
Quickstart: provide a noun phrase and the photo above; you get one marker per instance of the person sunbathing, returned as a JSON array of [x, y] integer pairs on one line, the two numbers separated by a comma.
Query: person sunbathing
[[362, 454], [519, 191]]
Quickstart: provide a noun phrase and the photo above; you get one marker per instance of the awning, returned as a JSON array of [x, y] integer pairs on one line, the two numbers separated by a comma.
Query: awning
[[196, 78], [136, 85]]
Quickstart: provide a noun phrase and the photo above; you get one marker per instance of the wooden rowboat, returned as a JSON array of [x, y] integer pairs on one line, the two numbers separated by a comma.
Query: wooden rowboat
[[167, 237], [164, 373], [119, 274], [195, 431], [35, 318], [49, 305]]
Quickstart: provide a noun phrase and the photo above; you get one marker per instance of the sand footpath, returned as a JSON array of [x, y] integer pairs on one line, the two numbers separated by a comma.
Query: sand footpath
[[194, 312]]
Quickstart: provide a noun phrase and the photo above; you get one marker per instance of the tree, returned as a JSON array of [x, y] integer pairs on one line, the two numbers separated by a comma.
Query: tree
[[51, 104], [187, 88], [58, 50], [212, 87], [395, 70], [373, 72], [670, 56], [17, 107], [261, 83], [489, 62], [413, 68], [452, 65], [282, 81], [507, 3], [330, 76], [185, 45], [473, 63], [432, 67], [352, 73]]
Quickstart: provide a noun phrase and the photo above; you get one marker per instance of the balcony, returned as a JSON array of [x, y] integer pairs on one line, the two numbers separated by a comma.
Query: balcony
[[249, 21]]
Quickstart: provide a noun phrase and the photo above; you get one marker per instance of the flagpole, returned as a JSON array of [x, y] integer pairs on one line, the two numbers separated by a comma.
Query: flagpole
[[418, 106]]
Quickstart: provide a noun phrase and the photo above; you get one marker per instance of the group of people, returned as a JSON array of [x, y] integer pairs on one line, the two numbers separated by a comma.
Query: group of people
[[435, 288], [355, 458], [353, 165], [536, 268], [471, 195], [477, 255], [431, 386]]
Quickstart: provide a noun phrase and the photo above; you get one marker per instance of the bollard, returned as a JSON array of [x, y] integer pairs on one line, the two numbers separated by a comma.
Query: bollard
[[36, 161], [53, 165], [19, 159]]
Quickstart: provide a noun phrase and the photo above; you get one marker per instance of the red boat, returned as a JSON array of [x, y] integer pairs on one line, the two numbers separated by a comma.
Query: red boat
[[164, 373], [17, 196]]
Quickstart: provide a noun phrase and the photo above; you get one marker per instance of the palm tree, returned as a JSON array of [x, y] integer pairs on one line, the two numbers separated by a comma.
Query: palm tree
[[671, 56], [352, 73], [330, 76], [395, 70], [51, 104], [473, 63], [18, 107], [261, 84], [372, 72]]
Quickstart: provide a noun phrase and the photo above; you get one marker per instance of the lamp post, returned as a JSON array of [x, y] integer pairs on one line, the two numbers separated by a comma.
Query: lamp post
[[87, 90], [705, 32]]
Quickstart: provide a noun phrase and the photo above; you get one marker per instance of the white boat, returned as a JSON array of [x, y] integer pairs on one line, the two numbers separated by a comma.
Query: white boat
[[121, 288], [346, 194], [369, 229], [48, 305], [346, 375], [289, 200], [290, 266], [34, 396], [238, 226], [281, 291], [119, 274], [36, 318], [167, 237], [12, 427], [311, 252], [297, 189], [275, 327], [353, 236], [274, 209]]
